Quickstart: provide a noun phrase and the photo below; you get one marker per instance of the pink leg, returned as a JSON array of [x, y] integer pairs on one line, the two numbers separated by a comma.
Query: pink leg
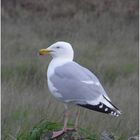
[[76, 121], [65, 123], [67, 114], [58, 133]]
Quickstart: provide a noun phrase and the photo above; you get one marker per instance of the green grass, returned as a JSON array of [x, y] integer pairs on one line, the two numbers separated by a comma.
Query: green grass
[[46, 127], [37, 132]]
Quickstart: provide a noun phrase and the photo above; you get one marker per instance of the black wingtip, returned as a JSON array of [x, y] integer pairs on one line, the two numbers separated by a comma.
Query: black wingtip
[[102, 108]]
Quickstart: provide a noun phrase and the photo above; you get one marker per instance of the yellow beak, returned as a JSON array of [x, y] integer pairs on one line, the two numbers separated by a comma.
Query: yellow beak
[[44, 51]]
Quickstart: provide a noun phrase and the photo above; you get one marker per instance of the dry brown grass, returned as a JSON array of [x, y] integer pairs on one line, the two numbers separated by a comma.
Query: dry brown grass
[[105, 39]]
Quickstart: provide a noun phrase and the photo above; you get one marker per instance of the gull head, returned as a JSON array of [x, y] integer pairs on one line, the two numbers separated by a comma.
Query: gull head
[[59, 49]]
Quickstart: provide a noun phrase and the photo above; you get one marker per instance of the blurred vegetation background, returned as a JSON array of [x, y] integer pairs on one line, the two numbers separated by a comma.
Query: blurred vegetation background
[[104, 35]]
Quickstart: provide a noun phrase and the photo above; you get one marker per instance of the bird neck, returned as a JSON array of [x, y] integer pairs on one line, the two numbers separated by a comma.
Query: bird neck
[[60, 61]]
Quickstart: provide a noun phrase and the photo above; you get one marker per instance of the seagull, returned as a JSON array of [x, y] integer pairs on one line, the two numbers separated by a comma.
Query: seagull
[[74, 84]]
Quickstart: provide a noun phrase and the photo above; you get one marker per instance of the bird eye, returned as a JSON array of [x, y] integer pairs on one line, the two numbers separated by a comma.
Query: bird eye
[[57, 47]]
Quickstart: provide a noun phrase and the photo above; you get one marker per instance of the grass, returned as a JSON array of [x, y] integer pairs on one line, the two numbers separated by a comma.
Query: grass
[[46, 127], [105, 40], [37, 132]]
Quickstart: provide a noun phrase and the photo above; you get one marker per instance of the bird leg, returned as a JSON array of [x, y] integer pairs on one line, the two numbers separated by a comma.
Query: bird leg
[[58, 133], [67, 114], [76, 120], [65, 128]]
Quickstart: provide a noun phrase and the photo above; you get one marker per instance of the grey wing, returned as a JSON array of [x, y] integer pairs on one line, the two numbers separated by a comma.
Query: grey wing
[[76, 84], [94, 78]]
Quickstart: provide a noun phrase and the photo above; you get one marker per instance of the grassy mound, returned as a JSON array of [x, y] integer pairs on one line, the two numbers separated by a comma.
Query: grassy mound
[[45, 127]]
